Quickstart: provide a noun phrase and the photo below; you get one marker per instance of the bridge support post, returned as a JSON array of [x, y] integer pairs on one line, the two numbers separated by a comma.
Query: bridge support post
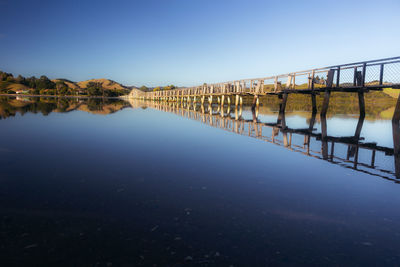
[[284, 98], [325, 104], [396, 144], [324, 141], [229, 101], [236, 100], [222, 101], [361, 102], [256, 102], [396, 138], [314, 103]]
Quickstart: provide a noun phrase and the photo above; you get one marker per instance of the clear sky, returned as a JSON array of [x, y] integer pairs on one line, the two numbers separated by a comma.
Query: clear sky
[[188, 42]]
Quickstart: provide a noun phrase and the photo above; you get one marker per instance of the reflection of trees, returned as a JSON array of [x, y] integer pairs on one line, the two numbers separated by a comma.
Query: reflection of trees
[[10, 106]]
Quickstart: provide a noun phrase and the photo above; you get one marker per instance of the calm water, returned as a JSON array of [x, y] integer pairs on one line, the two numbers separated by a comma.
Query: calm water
[[113, 183]]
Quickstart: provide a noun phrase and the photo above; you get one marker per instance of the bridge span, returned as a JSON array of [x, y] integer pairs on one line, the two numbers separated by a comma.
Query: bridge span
[[359, 77]]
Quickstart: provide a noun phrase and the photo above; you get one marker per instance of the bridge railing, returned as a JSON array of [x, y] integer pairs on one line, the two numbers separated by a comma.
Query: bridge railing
[[374, 73]]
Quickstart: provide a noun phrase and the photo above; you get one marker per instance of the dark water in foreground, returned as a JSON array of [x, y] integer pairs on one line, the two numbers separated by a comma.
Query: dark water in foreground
[[105, 184]]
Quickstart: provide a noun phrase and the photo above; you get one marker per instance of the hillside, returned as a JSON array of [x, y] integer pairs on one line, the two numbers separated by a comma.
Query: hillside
[[105, 83], [70, 84], [12, 86], [44, 86]]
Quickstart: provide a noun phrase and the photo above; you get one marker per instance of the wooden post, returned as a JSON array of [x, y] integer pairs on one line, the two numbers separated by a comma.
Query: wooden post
[[396, 138], [282, 106], [360, 123], [364, 72], [373, 159], [396, 147], [325, 104], [324, 135], [338, 77], [313, 103], [396, 114], [236, 100], [361, 102], [255, 102], [381, 75]]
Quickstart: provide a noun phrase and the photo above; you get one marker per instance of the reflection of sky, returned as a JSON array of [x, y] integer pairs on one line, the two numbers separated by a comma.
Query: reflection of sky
[[165, 164]]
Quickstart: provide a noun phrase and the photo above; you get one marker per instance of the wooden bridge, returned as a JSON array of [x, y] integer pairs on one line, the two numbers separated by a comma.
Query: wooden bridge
[[232, 120], [359, 77]]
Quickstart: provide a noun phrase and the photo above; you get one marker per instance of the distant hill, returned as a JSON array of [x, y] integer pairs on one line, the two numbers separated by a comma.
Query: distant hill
[[69, 83], [4, 85], [44, 86], [106, 83]]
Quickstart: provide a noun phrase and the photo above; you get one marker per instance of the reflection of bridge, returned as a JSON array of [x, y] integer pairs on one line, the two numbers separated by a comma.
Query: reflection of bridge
[[357, 77], [233, 121]]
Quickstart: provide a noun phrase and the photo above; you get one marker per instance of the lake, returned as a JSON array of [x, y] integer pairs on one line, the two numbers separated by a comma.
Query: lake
[[107, 182]]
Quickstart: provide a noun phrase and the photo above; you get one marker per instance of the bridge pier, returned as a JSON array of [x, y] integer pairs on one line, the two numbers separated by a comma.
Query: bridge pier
[[256, 102], [282, 105], [307, 138], [324, 139], [325, 104], [361, 102], [396, 146], [314, 103], [236, 100]]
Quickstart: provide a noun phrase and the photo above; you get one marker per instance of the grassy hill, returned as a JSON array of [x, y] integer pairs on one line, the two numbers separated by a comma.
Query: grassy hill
[[12, 86], [44, 86], [106, 84], [69, 83]]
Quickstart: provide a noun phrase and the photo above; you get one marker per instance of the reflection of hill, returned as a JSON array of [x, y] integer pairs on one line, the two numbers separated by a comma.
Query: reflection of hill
[[10, 106]]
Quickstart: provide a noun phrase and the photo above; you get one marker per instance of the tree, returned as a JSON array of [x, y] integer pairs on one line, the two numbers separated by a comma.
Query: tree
[[94, 89], [20, 79], [44, 83], [143, 88], [62, 88], [169, 87], [31, 82], [158, 88]]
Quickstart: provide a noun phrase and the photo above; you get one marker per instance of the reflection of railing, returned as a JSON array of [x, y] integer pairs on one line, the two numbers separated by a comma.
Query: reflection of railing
[[368, 75], [232, 121]]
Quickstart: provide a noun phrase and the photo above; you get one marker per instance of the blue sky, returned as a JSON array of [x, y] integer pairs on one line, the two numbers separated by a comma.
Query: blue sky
[[188, 42]]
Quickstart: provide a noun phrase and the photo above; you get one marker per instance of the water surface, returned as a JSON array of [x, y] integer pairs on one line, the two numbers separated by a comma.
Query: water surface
[[101, 182]]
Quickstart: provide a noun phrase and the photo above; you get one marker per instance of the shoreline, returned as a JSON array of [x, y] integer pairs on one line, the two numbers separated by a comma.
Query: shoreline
[[61, 96]]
